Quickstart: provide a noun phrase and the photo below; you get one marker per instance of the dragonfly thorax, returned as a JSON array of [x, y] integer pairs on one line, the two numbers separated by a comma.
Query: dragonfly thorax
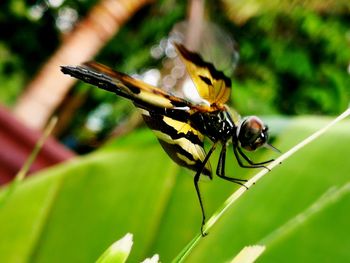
[[217, 125]]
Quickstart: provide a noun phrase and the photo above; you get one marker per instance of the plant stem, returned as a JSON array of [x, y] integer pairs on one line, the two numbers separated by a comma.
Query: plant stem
[[25, 168], [229, 201]]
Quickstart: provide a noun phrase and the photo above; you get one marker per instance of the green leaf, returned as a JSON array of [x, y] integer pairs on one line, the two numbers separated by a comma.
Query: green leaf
[[74, 211]]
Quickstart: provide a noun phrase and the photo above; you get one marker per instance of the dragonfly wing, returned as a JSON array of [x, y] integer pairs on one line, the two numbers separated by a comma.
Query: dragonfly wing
[[165, 114], [182, 142], [212, 85], [124, 85]]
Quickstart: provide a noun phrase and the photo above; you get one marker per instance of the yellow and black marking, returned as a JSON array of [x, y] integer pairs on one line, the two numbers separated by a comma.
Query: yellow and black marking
[[212, 85], [180, 140], [180, 125]]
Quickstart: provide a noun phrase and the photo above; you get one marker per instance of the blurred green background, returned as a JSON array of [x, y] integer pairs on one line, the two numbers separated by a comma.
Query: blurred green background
[[294, 59]]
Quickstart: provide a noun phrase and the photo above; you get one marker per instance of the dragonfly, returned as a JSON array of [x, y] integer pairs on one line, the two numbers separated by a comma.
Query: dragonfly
[[181, 125]]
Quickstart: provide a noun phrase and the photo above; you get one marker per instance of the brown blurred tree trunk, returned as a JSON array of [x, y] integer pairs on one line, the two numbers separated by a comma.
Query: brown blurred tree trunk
[[47, 90]]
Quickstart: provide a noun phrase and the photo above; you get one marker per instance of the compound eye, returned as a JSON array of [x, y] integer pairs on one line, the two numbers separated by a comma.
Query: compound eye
[[262, 139], [253, 133]]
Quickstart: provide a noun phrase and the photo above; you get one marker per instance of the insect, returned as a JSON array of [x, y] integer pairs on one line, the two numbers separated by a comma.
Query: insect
[[181, 125]]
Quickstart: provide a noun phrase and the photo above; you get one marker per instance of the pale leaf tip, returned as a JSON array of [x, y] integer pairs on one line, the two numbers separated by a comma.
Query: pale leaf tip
[[124, 244], [154, 259], [249, 254], [118, 251]]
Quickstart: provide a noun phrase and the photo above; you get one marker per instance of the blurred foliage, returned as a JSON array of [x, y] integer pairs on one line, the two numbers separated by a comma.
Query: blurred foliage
[[242, 10], [28, 38], [294, 57], [295, 61]]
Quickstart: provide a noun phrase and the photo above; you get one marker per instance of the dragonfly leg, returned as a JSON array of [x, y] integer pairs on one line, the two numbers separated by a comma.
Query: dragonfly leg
[[196, 180], [220, 171], [239, 160], [250, 161]]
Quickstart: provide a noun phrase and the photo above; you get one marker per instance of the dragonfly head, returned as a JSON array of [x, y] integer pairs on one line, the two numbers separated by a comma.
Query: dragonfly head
[[252, 133]]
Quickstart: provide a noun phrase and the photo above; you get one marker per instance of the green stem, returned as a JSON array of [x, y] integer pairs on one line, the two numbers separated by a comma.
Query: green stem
[[25, 168], [234, 197]]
